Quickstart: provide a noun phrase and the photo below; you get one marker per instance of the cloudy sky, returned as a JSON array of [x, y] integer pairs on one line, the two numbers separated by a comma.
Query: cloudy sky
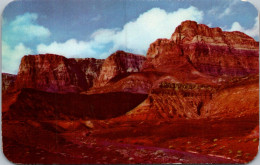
[[97, 28]]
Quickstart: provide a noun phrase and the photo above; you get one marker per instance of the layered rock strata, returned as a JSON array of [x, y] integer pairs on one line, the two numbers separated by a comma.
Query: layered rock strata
[[208, 50], [119, 65], [54, 73]]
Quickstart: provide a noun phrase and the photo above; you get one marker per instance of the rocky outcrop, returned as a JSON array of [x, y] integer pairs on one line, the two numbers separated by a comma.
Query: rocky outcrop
[[7, 81], [196, 47], [133, 82], [91, 68], [54, 73], [237, 98], [119, 65], [173, 101]]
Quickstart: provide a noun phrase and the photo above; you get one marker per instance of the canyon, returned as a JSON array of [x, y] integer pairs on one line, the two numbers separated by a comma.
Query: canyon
[[194, 98]]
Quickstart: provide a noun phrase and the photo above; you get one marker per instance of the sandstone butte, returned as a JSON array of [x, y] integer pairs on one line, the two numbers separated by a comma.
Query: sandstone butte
[[118, 65], [55, 73]]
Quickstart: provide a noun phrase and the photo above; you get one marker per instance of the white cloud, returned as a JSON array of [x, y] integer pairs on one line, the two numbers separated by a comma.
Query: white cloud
[[11, 57], [156, 23], [135, 36], [26, 24], [24, 28], [102, 36], [253, 32], [70, 48]]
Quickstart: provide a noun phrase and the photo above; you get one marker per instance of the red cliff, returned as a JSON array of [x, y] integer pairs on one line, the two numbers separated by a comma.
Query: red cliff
[[91, 68], [54, 73], [197, 54], [208, 50], [118, 64]]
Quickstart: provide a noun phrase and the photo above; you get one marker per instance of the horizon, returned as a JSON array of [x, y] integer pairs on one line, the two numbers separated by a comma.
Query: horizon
[[94, 29]]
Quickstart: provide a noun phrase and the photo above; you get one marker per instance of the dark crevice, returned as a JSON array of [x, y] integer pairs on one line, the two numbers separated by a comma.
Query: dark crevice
[[199, 108]]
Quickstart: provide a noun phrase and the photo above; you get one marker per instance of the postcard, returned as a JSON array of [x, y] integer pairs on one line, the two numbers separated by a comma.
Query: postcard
[[130, 81]]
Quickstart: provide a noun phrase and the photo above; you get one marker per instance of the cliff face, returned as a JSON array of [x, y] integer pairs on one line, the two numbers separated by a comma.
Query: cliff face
[[194, 54], [119, 64], [7, 81], [54, 73], [91, 68], [210, 51]]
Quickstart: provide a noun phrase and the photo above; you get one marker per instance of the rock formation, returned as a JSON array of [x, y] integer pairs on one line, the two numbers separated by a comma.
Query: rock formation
[[91, 67], [173, 101], [118, 65], [7, 81], [189, 69], [208, 50], [54, 73], [236, 99], [198, 56]]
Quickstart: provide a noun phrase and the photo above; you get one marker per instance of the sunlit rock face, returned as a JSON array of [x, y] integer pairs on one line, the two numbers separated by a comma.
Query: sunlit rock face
[[117, 64], [54, 73], [91, 67], [208, 50]]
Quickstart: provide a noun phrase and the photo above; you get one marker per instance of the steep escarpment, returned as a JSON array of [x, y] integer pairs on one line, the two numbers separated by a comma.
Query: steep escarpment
[[7, 81], [54, 73], [119, 65], [211, 51], [165, 56]]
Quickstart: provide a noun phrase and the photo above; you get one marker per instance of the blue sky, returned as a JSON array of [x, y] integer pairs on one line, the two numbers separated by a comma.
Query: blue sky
[[97, 28]]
